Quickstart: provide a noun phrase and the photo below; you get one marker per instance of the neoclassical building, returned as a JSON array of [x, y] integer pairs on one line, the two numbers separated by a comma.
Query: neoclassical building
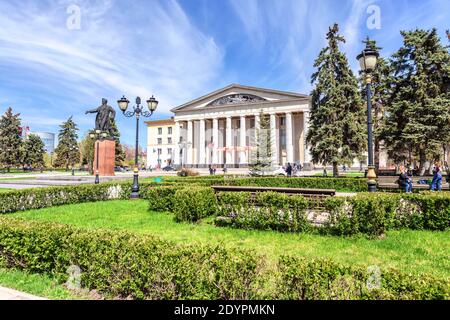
[[219, 128]]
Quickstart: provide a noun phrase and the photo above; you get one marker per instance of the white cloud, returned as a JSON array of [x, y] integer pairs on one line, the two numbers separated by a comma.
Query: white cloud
[[119, 49]]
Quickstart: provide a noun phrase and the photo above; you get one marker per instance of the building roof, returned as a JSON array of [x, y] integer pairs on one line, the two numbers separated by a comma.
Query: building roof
[[160, 122], [284, 94]]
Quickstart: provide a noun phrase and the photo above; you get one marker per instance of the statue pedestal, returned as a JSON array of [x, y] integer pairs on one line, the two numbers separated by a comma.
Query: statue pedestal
[[104, 157]]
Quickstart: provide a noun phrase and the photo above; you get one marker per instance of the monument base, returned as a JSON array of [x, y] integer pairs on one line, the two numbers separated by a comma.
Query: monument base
[[104, 157]]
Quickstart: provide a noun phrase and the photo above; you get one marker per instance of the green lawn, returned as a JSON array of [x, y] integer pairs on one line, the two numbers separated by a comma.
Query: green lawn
[[36, 284], [5, 189], [407, 250]]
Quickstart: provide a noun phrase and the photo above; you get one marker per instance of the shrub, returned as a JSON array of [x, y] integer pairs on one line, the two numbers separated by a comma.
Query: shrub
[[266, 211], [27, 199], [324, 279], [339, 184], [161, 198], [194, 203], [124, 265], [373, 214]]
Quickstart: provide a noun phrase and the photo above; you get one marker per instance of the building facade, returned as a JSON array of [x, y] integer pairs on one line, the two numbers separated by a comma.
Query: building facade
[[48, 139], [160, 143], [220, 128]]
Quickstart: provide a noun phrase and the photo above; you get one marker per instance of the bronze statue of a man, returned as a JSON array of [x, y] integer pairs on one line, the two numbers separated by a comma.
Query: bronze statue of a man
[[105, 114]]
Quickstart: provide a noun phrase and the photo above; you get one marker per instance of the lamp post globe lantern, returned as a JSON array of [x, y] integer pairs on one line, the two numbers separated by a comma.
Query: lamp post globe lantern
[[123, 103], [137, 112], [368, 61]]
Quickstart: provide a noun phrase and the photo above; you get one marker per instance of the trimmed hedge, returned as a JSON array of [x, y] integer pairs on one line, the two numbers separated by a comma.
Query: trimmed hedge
[[366, 213], [267, 211], [162, 198], [339, 184], [321, 279], [124, 265], [20, 200], [373, 214], [37, 198], [194, 203]]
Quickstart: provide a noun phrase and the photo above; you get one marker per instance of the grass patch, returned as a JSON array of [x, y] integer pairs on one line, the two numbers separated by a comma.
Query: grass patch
[[406, 250], [35, 284], [5, 189]]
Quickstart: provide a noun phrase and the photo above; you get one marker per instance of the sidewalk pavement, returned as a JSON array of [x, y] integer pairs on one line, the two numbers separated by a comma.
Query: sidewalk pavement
[[11, 294]]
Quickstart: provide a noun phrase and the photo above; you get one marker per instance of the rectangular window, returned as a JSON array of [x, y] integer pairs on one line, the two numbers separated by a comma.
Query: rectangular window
[[159, 130], [169, 150], [159, 152], [169, 140], [169, 130], [159, 140]]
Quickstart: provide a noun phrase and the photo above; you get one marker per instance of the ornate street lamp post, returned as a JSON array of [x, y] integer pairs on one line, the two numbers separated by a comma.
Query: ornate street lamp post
[[138, 111], [97, 135], [368, 61]]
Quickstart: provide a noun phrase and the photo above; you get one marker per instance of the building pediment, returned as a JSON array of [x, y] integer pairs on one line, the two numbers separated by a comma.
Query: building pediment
[[238, 95]]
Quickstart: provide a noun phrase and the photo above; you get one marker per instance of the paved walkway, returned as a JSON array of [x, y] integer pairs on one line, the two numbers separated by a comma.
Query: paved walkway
[[10, 294]]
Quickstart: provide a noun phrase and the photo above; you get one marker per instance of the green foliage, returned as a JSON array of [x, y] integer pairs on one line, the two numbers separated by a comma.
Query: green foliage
[[265, 211], [320, 279], [119, 152], [162, 198], [67, 151], [125, 265], [194, 203], [418, 108], [337, 132], [339, 184], [21, 200], [261, 157], [10, 140], [33, 152], [87, 148], [373, 214]]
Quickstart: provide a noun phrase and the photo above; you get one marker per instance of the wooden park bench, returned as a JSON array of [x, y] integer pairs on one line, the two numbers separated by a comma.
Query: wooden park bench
[[309, 193]]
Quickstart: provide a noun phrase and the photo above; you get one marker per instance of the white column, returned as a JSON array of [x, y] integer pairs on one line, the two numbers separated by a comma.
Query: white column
[[215, 135], [307, 155], [273, 138], [202, 133], [242, 140], [289, 145], [229, 136], [189, 142], [176, 140]]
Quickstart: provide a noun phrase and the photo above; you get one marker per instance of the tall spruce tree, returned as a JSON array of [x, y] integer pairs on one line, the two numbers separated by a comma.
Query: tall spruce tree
[[10, 140], [380, 88], [67, 151], [337, 132], [418, 113], [261, 157], [33, 152]]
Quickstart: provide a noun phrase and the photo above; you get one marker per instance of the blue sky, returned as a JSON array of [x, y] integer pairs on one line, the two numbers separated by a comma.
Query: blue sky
[[177, 50]]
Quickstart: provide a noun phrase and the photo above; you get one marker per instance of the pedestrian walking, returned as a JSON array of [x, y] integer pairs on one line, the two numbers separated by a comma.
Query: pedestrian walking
[[289, 170]]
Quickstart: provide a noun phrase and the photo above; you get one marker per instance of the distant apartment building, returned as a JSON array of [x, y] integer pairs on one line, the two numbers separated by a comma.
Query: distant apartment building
[[48, 139], [160, 142]]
